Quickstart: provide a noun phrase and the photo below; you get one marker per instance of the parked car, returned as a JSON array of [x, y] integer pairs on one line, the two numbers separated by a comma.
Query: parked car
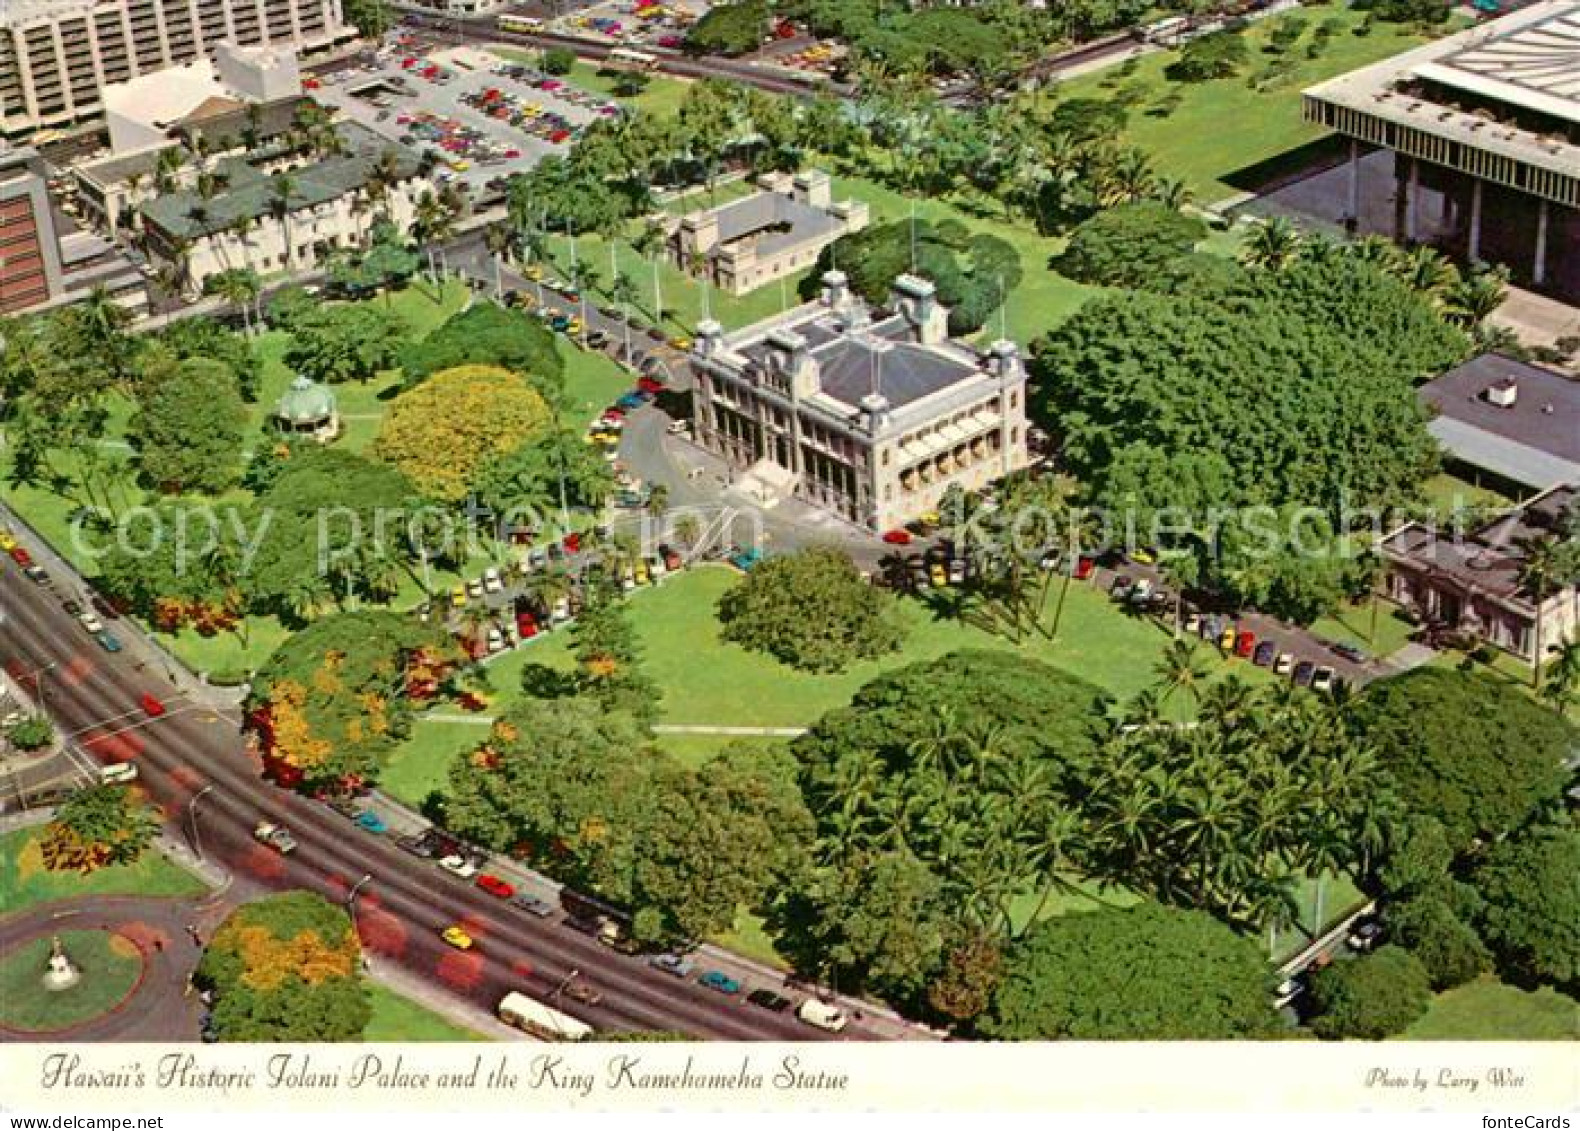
[[1141, 592], [719, 980], [1228, 637], [108, 641], [275, 836], [1323, 679], [1365, 934], [1245, 644], [822, 1015], [1350, 652], [1304, 671], [1264, 654], [1121, 587], [897, 537], [532, 905], [474, 588], [496, 887], [677, 964], [1284, 664], [458, 865], [37, 574], [492, 582], [371, 822], [1084, 567], [768, 1000], [416, 845]]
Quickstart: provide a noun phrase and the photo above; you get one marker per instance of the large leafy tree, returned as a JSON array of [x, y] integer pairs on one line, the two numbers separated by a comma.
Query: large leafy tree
[[1143, 973], [344, 342], [1529, 887], [488, 334], [188, 431], [208, 338], [811, 610], [443, 431], [334, 699], [1130, 245], [729, 29], [1430, 927], [530, 478], [98, 826], [1374, 997], [286, 968], [609, 659], [1468, 750]]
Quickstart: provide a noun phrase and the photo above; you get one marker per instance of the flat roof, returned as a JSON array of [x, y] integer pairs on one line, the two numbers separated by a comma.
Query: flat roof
[[1545, 414], [1529, 59], [1534, 64], [776, 221]]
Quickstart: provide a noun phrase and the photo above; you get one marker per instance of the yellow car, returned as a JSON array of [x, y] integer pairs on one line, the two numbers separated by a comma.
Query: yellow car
[[575, 327], [457, 937], [7, 541], [680, 342], [534, 272], [642, 577], [1227, 638], [458, 596], [938, 575]]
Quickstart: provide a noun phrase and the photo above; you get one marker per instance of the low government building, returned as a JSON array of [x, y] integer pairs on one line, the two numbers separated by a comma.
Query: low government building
[[1477, 583], [774, 233], [1507, 424], [869, 413], [1471, 144]]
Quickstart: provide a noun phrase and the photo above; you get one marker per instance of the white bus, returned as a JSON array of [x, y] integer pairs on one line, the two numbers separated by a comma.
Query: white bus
[[539, 1020], [626, 59], [508, 22]]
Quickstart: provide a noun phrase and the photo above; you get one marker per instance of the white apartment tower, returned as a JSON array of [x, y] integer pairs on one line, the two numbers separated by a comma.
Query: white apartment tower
[[56, 56]]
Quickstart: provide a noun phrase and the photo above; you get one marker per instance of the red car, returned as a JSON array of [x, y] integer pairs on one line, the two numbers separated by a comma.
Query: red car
[[495, 886], [152, 707], [526, 625], [897, 538], [573, 542], [1084, 567], [20, 555], [648, 385], [1245, 644]]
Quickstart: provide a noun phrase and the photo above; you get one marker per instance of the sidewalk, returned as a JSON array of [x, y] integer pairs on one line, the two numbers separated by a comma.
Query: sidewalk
[[453, 1009], [876, 1019]]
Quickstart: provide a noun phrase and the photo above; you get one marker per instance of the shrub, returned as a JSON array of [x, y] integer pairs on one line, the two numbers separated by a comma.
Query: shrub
[[1371, 998]]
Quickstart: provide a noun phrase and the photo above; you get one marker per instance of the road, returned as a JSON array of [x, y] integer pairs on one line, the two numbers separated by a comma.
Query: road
[[195, 765]]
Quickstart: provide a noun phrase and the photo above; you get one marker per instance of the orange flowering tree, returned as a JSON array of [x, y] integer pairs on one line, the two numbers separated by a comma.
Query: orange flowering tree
[[98, 826]]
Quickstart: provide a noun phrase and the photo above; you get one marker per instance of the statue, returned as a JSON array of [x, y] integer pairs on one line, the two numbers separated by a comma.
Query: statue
[[62, 974]]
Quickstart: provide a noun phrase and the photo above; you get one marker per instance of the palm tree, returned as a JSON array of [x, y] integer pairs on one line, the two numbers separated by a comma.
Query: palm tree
[[1561, 688], [688, 528], [1539, 573], [281, 190], [1473, 299], [239, 287], [1182, 667], [1272, 245], [498, 239]]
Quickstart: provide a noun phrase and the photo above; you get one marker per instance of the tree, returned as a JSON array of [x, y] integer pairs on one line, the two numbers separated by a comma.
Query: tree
[[207, 338], [609, 661], [188, 430], [729, 29], [1378, 995], [371, 18], [488, 334], [442, 432], [335, 699], [558, 61], [96, 827], [811, 610], [1144, 973], [1127, 246], [1530, 904], [1466, 749], [1429, 927], [1272, 245], [286, 968], [33, 732], [972, 972], [344, 342], [1216, 56]]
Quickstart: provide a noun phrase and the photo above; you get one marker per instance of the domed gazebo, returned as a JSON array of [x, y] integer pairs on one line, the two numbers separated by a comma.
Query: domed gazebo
[[308, 409]]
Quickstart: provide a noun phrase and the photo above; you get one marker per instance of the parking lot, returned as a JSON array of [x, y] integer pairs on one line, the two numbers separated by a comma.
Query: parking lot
[[483, 117], [656, 23]]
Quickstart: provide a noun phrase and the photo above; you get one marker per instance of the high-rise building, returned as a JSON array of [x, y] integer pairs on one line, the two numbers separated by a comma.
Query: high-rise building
[[56, 56], [29, 250]]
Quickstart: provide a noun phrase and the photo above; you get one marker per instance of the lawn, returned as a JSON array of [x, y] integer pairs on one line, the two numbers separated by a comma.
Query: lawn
[[593, 381], [663, 94], [708, 682], [1352, 624], [1225, 125], [24, 881], [1445, 494], [1489, 1010], [110, 966], [397, 1018]]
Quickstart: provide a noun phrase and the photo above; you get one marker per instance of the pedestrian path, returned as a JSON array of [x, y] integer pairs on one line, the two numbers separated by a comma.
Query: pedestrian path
[[659, 728]]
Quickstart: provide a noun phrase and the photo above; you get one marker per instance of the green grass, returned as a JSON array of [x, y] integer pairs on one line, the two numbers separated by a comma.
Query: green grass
[[1445, 494], [397, 1018], [110, 967], [593, 381], [1488, 1010], [699, 749], [24, 881], [750, 938], [1351, 623], [420, 765], [1225, 125], [663, 94]]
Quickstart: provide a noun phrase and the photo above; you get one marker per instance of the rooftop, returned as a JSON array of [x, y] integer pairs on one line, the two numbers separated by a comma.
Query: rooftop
[[1517, 420], [19, 13], [1529, 60], [249, 190], [1488, 560], [774, 221]]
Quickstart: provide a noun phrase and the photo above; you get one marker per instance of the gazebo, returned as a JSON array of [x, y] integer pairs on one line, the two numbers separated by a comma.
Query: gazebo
[[308, 409]]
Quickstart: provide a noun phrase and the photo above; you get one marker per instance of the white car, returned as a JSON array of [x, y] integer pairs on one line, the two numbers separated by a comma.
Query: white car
[[492, 582], [678, 427], [458, 866], [957, 570], [656, 568], [822, 1015], [496, 640], [276, 837], [562, 608], [91, 622]]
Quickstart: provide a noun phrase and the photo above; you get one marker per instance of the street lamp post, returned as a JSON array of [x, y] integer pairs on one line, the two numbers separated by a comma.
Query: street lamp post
[[351, 907], [192, 821]]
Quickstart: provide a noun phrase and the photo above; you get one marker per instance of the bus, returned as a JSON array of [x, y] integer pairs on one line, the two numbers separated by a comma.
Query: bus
[[538, 1019], [508, 22], [1169, 32], [626, 59]]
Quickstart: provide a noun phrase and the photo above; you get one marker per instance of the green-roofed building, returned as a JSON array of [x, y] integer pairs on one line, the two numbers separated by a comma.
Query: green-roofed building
[[273, 209], [308, 409]]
